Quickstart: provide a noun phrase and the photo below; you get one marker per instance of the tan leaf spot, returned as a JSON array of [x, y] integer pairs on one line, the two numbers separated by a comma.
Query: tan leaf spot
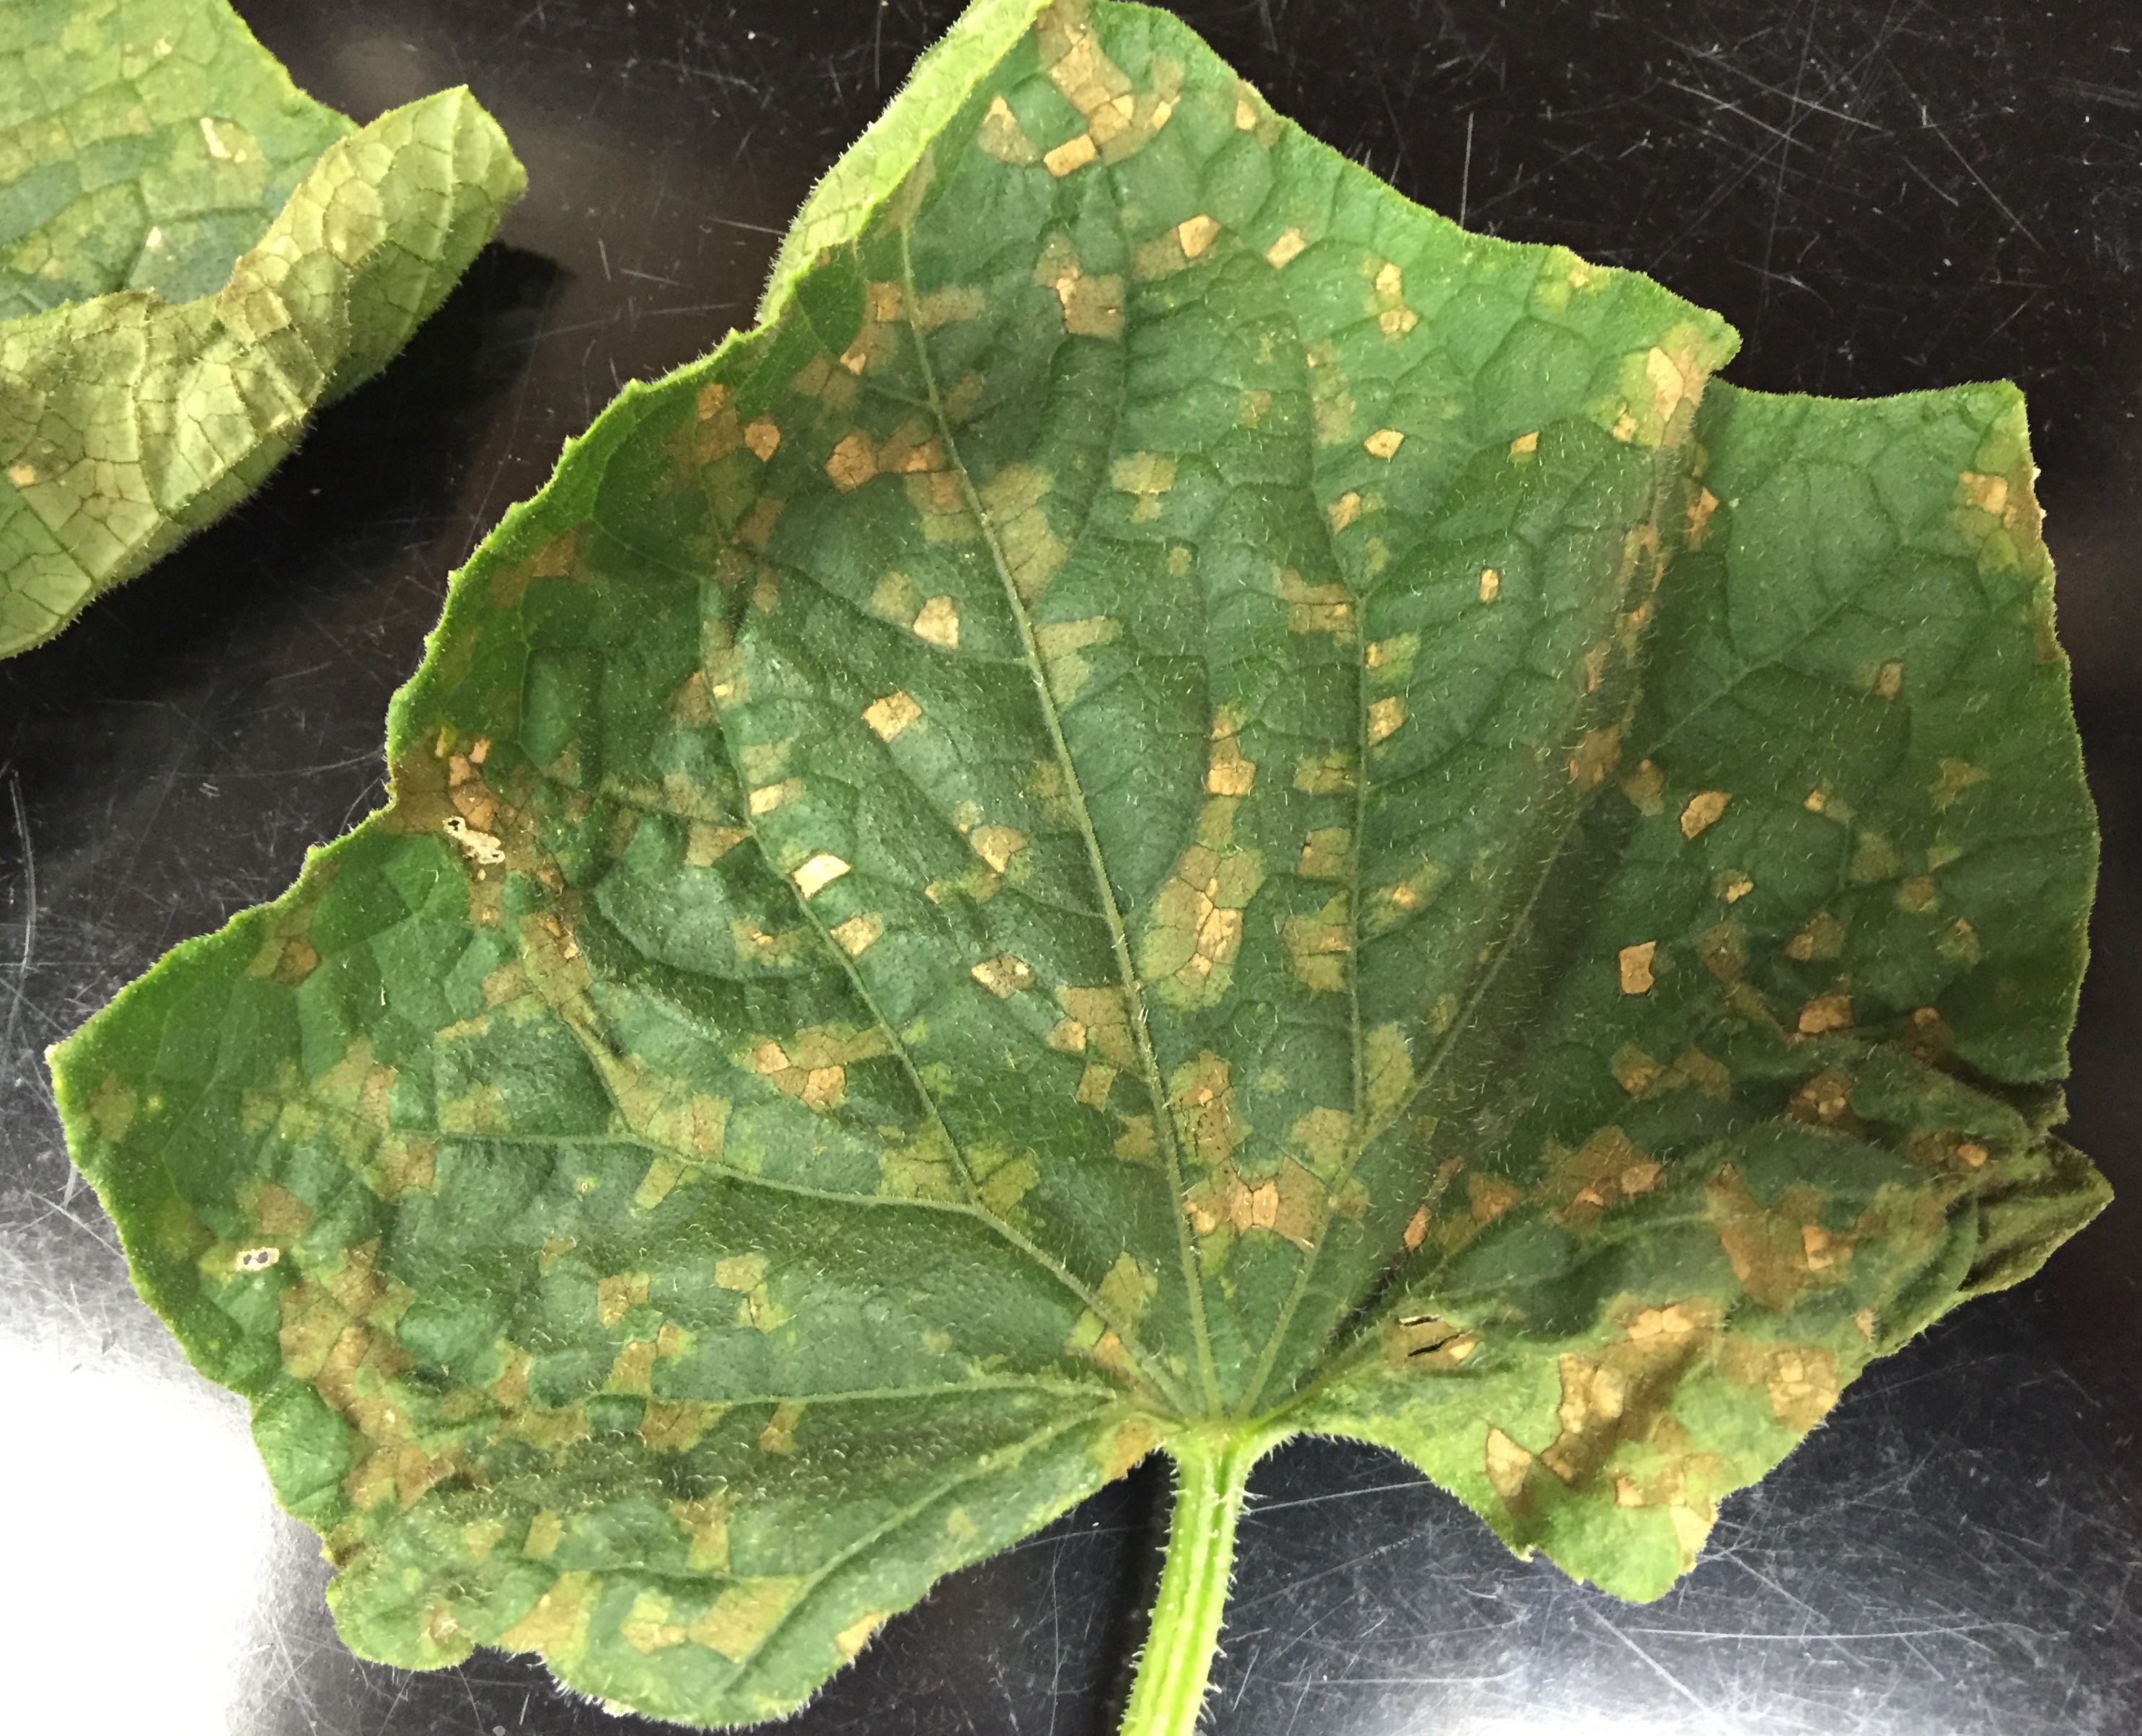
[[1596, 756], [1343, 510], [1002, 136], [1698, 517], [1635, 963], [763, 438], [1506, 1463], [853, 462], [1285, 251], [1732, 885], [1072, 153], [1826, 1012], [1196, 234], [1525, 445], [1384, 443], [818, 874], [939, 623], [1491, 584], [1988, 494], [889, 716], [1004, 975], [1385, 718], [997, 844], [1890, 681], [765, 799], [1702, 811], [858, 934], [1823, 938], [1416, 1229], [856, 1635]]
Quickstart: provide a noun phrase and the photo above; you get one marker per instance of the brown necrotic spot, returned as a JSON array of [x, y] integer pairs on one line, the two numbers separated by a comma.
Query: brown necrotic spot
[[1004, 976]]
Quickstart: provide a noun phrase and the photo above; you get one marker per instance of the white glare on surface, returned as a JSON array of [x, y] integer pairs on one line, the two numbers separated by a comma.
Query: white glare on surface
[[139, 1522]]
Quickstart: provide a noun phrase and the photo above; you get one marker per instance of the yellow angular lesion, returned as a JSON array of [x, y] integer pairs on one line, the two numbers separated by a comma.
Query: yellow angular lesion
[[818, 873], [617, 1295], [1702, 811], [1061, 642], [1319, 947], [937, 622], [1384, 443], [1002, 137], [747, 1610], [1201, 1102], [889, 717], [1822, 937], [1228, 770], [1187, 950], [1326, 854], [1092, 303], [1290, 246], [1386, 717], [1032, 550], [1146, 477], [1634, 964], [859, 933], [1004, 975], [1316, 608]]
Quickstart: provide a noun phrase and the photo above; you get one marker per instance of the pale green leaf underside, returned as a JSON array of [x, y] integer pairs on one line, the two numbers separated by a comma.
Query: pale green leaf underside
[[1184, 799], [194, 255]]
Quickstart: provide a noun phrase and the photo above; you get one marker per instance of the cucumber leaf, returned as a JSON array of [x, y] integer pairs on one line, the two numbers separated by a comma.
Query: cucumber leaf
[[1181, 805], [193, 256]]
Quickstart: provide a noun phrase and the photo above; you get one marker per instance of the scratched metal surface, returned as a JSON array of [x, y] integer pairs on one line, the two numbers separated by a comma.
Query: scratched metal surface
[[1881, 197]]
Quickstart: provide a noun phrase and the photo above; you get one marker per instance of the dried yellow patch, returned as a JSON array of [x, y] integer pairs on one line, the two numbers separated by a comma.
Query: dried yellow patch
[[779, 1437], [763, 438], [1889, 681], [1316, 608], [1645, 789], [1702, 811], [1386, 717], [1416, 1229], [938, 622], [1325, 853], [1002, 136], [768, 797], [1094, 1085], [1004, 976], [1525, 445], [853, 462], [558, 1623], [1669, 385], [1033, 551], [1061, 642], [1072, 155], [1802, 1385], [997, 844], [889, 716], [1318, 946], [818, 874], [856, 1635], [1506, 1463], [616, 1296], [1988, 494], [1491, 584], [1821, 938], [1698, 517], [1230, 773], [1732, 885], [858, 934], [1343, 511], [1196, 234], [1330, 773], [1954, 777], [21, 475], [706, 844], [746, 1612], [1384, 443], [1596, 757], [1634, 964], [1285, 251], [1825, 1012]]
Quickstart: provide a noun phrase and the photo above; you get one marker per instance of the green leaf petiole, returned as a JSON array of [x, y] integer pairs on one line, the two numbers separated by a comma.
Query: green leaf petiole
[[1212, 1476]]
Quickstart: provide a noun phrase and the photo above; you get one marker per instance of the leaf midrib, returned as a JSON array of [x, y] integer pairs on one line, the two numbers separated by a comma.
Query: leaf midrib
[[1193, 1266]]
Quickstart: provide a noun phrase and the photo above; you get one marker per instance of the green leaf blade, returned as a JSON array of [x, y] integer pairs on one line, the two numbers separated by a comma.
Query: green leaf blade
[[202, 257], [1182, 805]]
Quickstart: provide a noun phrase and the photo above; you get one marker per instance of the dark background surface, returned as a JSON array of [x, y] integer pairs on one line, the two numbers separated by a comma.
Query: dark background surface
[[1882, 196]]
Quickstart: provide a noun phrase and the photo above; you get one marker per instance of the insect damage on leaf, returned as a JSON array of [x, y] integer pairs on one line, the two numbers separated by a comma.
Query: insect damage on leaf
[[1174, 808], [193, 256]]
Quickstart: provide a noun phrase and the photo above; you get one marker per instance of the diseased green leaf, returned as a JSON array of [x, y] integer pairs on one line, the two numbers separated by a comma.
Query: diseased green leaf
[[1182, 805], [194, 255]]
